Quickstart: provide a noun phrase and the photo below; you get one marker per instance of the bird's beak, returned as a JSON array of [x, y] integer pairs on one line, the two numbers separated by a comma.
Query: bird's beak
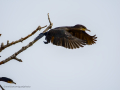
[[11, 82], [14, 82], [88, 30]]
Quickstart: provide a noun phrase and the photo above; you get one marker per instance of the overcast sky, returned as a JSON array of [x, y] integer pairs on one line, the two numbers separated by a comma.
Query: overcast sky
[[50, 67]]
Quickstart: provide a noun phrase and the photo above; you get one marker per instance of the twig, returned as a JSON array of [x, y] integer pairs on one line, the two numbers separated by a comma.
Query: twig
[[50, 26], [2, 87], [25, 47], [20, 40], [22, 49], [18, 52]]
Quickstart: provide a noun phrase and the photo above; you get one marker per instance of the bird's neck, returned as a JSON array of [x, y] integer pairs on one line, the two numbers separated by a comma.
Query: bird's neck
[[72, 28]]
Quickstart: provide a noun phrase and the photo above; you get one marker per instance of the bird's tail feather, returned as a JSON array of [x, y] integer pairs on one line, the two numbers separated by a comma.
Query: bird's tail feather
[[39, 36]]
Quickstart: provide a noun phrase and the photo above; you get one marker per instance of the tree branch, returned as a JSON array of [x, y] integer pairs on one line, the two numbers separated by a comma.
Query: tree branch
[[2, 87], [50, 26], [14, 56], [20, 40]]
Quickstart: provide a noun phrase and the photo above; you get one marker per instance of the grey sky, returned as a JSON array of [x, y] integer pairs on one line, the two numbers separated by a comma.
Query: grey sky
[[50, 67]]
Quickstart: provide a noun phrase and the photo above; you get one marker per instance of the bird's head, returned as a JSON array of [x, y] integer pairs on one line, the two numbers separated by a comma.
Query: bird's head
[[81, 27], [10, 81]]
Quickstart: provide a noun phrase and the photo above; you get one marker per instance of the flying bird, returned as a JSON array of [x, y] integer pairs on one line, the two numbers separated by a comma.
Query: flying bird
[[70, 37], [8, 80]]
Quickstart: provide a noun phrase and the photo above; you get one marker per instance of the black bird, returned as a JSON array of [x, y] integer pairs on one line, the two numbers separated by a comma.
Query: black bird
[[8, 80], [68, 36]]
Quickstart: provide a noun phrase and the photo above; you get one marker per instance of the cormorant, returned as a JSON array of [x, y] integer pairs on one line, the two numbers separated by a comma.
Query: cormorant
[[68, 36], [8, 80]]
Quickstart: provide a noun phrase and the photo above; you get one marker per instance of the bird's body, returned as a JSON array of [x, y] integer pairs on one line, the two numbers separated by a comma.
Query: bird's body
[[8, 80], [69, 36]]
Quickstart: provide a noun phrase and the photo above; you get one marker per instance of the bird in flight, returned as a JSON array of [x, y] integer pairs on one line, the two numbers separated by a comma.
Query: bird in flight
[[70, 37], [8, 80]]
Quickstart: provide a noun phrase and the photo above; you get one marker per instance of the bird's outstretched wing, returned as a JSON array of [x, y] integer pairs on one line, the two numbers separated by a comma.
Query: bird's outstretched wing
[[84, 36], [63, 38]]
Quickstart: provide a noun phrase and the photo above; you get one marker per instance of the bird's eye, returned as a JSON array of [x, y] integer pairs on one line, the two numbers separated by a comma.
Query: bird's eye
[[84, 27]]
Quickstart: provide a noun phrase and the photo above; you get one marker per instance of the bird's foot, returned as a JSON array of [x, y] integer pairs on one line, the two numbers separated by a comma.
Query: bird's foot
[[45, 42]]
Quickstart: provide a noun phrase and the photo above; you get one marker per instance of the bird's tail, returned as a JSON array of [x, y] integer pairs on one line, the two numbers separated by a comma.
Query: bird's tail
[[40, 36]]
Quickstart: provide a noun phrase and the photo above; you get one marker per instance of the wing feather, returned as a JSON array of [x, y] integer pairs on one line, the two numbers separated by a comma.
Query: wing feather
[[77, 45], [63, 38], [84, 36], [74, 46]]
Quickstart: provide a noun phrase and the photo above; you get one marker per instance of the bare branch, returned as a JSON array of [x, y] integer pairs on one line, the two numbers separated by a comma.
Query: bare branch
[[14, 56], [50, 26], [18, 52], [20, 40], [2, 87], [18, 59]]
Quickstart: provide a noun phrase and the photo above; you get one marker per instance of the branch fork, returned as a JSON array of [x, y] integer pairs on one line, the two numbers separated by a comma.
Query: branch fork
[[14, 56]]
